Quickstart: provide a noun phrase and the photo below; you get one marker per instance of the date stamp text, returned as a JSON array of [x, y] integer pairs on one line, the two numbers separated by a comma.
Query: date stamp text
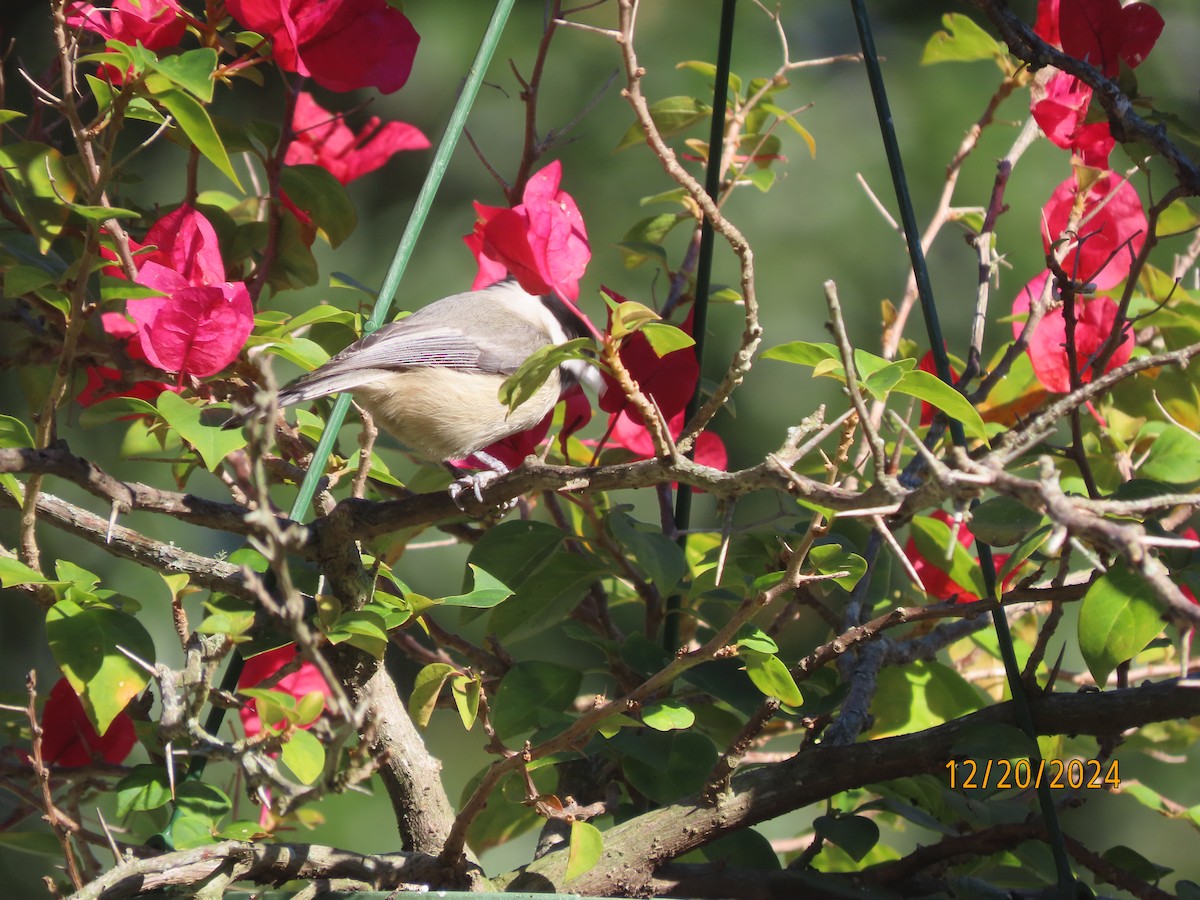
[[1056, 774]]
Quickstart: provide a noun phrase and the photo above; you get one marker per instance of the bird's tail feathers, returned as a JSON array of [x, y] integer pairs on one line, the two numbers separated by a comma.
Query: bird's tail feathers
[[322, 384], [305, 388]]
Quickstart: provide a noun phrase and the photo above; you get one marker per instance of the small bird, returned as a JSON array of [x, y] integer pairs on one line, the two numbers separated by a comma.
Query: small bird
[[432, 379]]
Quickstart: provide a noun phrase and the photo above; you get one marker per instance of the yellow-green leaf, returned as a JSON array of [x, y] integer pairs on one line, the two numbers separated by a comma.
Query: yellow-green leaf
[[587, 845]]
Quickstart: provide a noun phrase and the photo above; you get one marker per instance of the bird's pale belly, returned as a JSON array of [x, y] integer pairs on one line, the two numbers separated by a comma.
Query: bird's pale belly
[[458, 404]]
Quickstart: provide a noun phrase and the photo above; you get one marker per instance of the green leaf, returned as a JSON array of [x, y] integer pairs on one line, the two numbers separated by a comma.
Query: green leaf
[[19, 280], [190, 832], [202, 801], [962, 41], [426, 688], [294, 266], [81, 577], [213, 443], [112, 289], [933, 538], [1174, 457], [537, 367], [38, 180], [136, 55], [1001, 521], [320, 314], [709, 70], [363, 629], [146, 787], [14, 572], [748, 848], [879, 383], [243, 830], [546, 597], [790, 120], [586, 848], [191, 71], [803, 353], [668, 715], [675, 196], [486, 593], [830, 558], [193, 119], [867, 364], [514, 550], [1137, 865], [87, 645], [309, 708], [1024, 550], [857, 835], [629, 317], [466, 692], [274, 708], [1120, 615], [533, 694], [142, 109], [101, 91], [613, 724], [101, 213], [752, 637], [671, 116], [661, 558], [14, 433], [771, 676], [928, 387], [115, 408], [234, 623], [1178, 218], [651, 231], [921, 695], [317, 192], [301, 351], [763, 179], [304, 755], [666, 338]]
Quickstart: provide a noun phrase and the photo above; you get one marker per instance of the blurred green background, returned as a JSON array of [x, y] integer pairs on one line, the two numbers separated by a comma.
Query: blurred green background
[[815, 224]]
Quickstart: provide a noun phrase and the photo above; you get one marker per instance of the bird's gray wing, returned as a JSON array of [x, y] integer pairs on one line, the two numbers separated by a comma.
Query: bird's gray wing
[[497, 344]]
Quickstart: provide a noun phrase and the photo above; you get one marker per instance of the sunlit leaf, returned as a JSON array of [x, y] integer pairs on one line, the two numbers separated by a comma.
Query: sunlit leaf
[[962, 41], [668, 715], [304, 755], [212, 442], [671, 116], [771, 676], [586, 848], [426, 688], [928, 387], [1119, 616], [91, 646]]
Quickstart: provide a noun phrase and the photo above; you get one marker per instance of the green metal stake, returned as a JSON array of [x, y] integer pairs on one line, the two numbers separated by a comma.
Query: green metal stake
[[712, 186], [383, 303], [908, 218], [408, 240]]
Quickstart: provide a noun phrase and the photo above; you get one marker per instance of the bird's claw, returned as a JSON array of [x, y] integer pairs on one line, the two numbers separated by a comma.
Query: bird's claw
[[475, 483]]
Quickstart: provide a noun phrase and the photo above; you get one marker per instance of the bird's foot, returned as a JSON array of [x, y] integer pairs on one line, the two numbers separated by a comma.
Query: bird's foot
[[473, 483]]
